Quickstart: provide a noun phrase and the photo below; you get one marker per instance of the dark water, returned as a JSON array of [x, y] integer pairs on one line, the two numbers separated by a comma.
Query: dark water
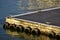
[[10, 7]]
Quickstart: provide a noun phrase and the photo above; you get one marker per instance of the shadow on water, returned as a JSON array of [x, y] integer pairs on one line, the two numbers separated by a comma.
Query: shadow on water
[[26, 36]]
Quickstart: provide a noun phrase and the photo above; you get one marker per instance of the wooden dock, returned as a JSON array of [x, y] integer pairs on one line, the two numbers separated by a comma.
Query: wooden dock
[[47, 22]]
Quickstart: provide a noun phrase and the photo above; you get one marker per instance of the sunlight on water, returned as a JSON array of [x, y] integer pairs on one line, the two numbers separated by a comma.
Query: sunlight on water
[[37, 4]]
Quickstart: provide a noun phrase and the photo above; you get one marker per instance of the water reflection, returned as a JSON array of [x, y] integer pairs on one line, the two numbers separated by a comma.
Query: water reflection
[[26, 36]]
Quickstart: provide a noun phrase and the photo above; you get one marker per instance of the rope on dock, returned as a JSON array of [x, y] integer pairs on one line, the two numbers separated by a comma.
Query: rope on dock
[[35, 11]]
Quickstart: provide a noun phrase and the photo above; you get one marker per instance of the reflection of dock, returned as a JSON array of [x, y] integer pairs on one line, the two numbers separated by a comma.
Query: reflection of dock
[[41, 22], [28, 37]]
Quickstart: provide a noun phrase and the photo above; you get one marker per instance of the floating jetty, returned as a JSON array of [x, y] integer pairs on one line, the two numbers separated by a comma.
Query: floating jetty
[[37, 22]]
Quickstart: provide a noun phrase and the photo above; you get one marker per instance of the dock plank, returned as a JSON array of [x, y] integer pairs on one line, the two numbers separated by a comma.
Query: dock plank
[[52, 16]]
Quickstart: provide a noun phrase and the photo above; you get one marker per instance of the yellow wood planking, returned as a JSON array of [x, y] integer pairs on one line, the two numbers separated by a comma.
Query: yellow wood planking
[[33, 25]]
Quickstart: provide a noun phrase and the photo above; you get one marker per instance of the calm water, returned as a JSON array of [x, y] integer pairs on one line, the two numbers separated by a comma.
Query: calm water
[[8, 7]]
